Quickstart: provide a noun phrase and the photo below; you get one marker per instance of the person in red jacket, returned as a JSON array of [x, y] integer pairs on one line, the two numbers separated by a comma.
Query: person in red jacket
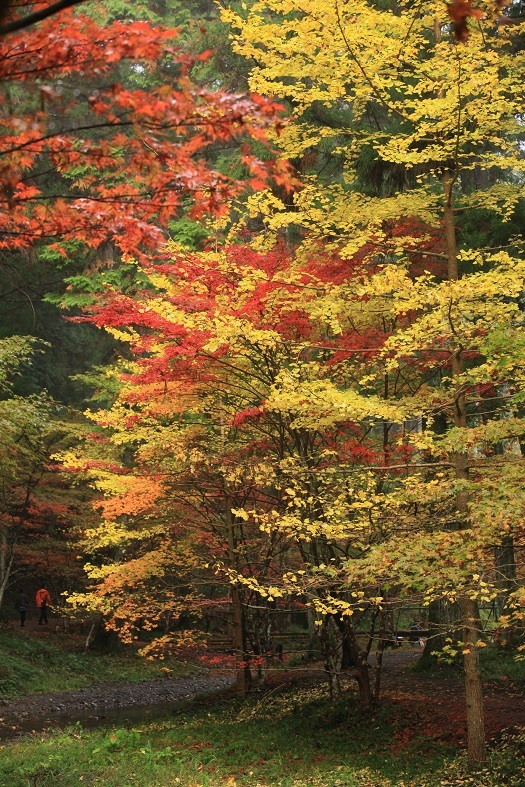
[[42, 600]]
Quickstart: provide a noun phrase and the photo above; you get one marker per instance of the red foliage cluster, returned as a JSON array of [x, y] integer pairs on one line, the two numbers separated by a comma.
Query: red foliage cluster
[[82, 157], [460, 11]]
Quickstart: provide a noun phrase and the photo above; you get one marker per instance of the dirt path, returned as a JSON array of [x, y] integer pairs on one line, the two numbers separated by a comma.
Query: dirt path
[[105, 702], [431, 706]]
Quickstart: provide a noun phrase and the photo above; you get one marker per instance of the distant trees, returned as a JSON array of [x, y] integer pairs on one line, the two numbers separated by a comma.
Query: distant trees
[[37, 508]]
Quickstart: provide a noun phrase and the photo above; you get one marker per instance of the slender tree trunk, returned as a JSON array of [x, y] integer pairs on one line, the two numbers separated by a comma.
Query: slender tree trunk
[[469, 616], [362, 670], [6, 563], [93, 632], [358, 658], [332, 642], [473, 687], [238, 618], [443, 616], [379, 656], [506, 568], [363, 680], [3, 562]]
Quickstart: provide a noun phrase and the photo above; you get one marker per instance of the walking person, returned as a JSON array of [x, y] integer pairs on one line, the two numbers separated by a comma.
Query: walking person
[[21, 606], [415, 636], [43, 599]]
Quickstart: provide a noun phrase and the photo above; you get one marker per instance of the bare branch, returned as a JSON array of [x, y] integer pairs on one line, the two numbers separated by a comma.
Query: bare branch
[[37, 16]]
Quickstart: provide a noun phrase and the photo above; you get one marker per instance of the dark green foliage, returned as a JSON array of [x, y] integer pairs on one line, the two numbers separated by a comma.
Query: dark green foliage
[[377, 178], [484, 229]]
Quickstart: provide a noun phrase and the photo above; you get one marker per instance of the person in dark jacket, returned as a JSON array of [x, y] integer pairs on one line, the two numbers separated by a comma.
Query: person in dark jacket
[[415, 636], [21, 606], [43, 599]]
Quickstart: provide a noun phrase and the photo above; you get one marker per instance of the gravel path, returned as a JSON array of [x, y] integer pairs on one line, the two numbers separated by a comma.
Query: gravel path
[[100, 698], [100, 701]]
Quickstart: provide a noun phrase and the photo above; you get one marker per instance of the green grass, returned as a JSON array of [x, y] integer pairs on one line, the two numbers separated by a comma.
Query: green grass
[[294, 739], [496, 664], [31, 663]]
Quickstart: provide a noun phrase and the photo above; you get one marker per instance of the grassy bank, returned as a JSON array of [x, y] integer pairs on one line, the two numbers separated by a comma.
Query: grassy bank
[[31, 663], [496, 664], [293, 739]]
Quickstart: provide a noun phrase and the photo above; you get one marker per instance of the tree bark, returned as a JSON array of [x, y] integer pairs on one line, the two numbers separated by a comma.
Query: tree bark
[[473, 687], [468, 608], [239, 638]]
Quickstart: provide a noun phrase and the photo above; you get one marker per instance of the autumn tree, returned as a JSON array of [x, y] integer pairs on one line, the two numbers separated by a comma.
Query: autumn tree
[[64, 123], [51, 76], [102, 139], [447, 115], [198, 454], [229, 349], [151, 157]]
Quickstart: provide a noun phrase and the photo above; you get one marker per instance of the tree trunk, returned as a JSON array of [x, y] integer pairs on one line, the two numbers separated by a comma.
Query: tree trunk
[[379, 655], [359, 659], [239, 643], [332, 641], [6, 562], [239, 639], [93, 632], [443, 617], [506, 568], [473, 685], [3, 563]]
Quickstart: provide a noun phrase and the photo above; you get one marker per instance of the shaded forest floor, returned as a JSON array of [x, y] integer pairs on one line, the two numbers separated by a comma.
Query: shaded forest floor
[[286, 734], [43, 660], [433, 703], [422, 704]]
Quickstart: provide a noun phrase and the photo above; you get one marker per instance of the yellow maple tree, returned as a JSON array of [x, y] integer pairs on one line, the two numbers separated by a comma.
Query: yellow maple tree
[[440, 120]]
